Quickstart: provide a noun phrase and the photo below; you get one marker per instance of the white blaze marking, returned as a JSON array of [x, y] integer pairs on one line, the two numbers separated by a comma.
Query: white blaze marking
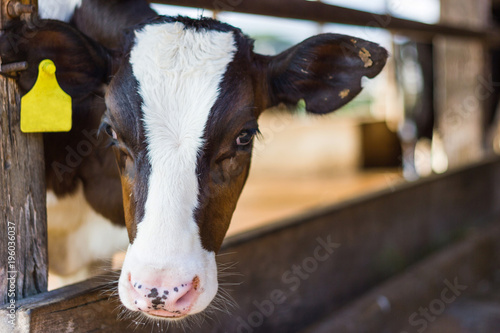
[[179, 72], [61, 10]]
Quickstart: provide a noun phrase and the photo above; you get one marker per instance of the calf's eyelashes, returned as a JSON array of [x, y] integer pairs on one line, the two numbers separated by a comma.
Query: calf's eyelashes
[[108, 129], [246, 137]]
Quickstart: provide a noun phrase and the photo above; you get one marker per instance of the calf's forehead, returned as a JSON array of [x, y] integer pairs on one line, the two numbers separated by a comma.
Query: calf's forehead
[[178, 71]]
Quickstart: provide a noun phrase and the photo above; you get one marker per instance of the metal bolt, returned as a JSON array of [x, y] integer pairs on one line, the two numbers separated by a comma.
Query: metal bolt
[[16, 9], [14, 67]]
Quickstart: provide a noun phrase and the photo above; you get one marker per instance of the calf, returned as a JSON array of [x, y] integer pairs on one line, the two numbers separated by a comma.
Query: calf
[[182, 100]]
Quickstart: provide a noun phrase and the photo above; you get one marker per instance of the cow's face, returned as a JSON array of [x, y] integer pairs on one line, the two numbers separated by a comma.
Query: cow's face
[[182, 111], [183, 146], [182, 115]]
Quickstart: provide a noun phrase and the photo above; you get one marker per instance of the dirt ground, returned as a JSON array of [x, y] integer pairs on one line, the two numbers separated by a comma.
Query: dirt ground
[[270, 198]]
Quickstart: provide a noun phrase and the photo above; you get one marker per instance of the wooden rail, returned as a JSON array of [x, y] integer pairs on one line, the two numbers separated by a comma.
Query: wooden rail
[[325, 13]]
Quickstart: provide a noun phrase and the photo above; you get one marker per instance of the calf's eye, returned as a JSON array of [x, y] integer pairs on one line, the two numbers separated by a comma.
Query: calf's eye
[[245, 138], [110, 131]]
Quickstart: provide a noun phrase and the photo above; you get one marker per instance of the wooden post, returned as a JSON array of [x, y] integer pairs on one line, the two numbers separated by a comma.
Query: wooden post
[[23, 229], [461, 94]]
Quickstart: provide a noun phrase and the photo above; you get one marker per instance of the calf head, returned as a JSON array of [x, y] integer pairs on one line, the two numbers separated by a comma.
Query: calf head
[[183, 103]]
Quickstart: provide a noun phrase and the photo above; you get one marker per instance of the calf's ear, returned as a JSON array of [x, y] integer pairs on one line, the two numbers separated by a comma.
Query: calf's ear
[[83, 68], [82, 64], [324, 70]]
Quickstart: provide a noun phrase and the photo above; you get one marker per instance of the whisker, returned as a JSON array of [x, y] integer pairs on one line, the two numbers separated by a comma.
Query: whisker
[[223, 303]]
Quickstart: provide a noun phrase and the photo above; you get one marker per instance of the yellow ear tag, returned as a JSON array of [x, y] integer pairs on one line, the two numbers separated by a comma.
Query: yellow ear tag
[[46, 107]]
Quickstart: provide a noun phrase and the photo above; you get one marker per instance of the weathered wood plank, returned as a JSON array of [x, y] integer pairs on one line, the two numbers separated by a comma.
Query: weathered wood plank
[[23, 251], [389, 307], [290, 276], [461, 82]]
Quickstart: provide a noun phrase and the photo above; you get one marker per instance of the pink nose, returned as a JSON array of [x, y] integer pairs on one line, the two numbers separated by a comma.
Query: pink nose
[[165, 300]]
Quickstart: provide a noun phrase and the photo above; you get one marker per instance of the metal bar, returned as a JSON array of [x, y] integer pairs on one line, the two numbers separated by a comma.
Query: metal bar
[[14, 67], [321, 12]]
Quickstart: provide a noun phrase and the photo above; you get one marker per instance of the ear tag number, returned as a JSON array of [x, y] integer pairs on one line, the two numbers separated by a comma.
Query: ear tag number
[[46, 107]]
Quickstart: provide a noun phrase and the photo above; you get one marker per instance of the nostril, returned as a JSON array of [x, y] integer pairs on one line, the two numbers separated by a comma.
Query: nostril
[[190, 295], [185, 302], [186, 299]]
